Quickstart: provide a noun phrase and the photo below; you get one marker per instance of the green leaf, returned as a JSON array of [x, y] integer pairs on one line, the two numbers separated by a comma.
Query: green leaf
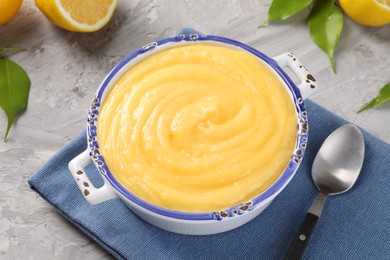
[[383, 96], [283, 9], [11, 49], [14, 90], [326, 22]]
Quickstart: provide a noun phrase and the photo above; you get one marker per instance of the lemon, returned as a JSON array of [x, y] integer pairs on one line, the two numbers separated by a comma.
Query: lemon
[[367, 12], [78, 15], [8, 9]]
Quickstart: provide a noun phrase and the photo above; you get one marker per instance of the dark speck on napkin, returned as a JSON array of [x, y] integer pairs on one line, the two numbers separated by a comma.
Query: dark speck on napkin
[[354, 225]]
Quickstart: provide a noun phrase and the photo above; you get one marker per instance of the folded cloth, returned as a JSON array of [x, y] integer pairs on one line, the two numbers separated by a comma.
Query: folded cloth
[[354, 225]]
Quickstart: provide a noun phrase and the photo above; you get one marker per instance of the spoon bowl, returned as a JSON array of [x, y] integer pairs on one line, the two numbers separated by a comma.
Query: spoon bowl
[[339, 161]]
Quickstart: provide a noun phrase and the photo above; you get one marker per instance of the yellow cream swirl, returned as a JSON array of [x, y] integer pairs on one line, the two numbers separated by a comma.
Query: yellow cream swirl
[[197, 128]]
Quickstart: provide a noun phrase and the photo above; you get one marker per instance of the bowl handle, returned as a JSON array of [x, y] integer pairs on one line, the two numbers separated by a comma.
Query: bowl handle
[[92, 194], [307, 83]]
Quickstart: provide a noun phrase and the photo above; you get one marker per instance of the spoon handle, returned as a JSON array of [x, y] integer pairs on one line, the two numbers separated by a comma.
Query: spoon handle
[[298, 247]]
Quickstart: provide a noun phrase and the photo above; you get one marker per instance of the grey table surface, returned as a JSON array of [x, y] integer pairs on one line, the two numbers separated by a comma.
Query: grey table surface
[[66, 68]]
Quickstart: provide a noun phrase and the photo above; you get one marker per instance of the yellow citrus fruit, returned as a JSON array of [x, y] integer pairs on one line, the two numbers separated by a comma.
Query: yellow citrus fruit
[[367, 12], [8, 9], [78, 15]]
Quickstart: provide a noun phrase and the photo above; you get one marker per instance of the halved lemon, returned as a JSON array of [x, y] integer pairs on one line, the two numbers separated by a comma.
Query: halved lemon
[[78, 15], [367, 12]]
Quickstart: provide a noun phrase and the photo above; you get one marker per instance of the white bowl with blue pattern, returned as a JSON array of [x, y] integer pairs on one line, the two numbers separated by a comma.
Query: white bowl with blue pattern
[[184, 222]]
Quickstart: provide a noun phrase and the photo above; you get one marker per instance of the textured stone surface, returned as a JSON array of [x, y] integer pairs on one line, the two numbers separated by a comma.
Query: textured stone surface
[[66, 68]]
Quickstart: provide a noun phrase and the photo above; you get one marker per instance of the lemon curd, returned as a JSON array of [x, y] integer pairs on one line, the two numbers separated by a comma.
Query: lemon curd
[[197, 128]]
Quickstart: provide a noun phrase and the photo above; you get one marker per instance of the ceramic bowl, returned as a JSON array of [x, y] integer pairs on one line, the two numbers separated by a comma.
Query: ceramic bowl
[[182, 222]]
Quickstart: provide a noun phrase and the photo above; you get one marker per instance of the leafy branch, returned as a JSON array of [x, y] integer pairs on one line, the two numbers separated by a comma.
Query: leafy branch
[[14, 88], [325, 21], [383, 96]]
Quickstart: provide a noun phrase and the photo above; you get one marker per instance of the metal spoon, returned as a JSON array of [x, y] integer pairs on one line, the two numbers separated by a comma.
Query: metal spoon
[[335, 170]]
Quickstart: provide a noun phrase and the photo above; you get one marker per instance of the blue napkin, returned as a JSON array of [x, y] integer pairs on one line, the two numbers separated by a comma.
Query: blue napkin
[[354, 225]]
